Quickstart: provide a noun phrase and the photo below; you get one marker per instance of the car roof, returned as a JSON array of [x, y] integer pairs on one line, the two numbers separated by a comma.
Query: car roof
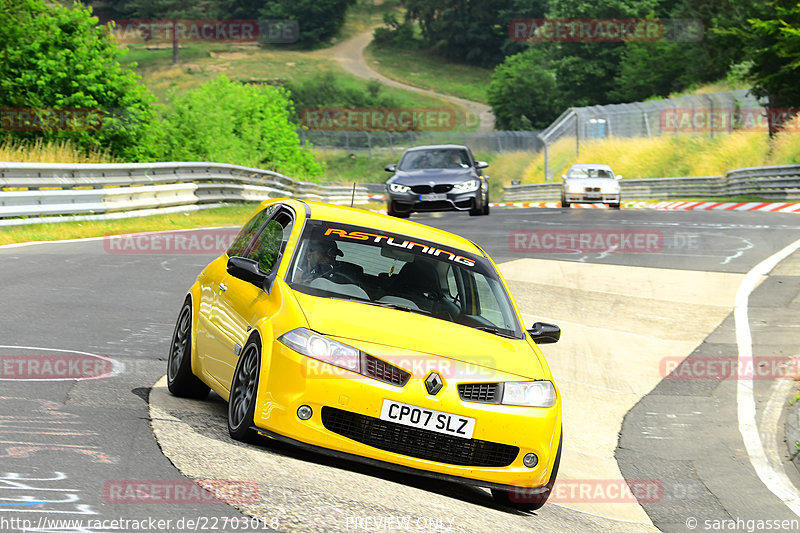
[[590, 165], [361, 217], [437, 147]]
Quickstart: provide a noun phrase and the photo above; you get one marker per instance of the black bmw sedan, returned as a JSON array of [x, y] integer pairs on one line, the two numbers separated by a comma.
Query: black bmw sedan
[[437, 178]]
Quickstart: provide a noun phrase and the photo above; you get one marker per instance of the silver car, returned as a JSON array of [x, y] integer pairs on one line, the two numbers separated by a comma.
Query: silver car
[[590, 184]]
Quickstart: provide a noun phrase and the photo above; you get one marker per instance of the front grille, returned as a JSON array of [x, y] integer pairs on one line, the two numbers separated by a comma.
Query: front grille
[[592, 189], [480, 392], [425, 189], [383, 371], [419, 443]]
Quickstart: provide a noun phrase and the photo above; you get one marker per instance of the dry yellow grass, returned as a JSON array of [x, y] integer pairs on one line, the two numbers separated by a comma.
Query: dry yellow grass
[[671, 156], [48, 152]]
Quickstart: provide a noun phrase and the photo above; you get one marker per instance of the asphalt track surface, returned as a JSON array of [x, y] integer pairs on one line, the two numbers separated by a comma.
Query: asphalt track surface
[[72, 450]]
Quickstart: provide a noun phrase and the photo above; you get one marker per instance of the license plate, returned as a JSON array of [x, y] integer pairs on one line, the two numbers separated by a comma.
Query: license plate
[[419, 417], [592, 197], [432, 197]]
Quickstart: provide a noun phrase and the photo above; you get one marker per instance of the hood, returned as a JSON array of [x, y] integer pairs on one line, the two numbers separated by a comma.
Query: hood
[[404, 337], [435, 175], [591, 182]]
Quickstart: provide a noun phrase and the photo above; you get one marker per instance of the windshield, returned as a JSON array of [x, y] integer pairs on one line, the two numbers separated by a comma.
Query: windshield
[[379, 268], [590, 173], [434, 158]]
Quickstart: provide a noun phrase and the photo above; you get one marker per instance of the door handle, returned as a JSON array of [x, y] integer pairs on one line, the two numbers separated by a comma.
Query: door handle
[[223, 287]]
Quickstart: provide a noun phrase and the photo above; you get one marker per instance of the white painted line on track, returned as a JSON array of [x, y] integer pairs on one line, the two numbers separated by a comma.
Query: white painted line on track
[[117, 367], [776, 481]]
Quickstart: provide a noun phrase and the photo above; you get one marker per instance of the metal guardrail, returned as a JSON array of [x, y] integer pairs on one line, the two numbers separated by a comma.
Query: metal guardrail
[[41, 189], [773, 183]]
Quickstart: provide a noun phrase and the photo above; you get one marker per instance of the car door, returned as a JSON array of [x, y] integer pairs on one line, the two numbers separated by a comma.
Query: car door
[[209, 338], [241, 304]]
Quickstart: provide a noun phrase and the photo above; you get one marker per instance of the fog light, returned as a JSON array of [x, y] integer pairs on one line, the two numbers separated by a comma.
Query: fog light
[[530, 460], [304, 412]]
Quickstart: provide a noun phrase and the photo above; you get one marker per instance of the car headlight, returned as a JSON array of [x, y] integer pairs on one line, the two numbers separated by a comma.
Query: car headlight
[[396, 187], [322, 348], [467, 186], [529, 393], [610, 188], [574, 188]]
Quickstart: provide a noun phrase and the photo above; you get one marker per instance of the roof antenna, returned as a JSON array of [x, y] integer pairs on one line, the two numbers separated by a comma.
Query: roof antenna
[[353, 197]]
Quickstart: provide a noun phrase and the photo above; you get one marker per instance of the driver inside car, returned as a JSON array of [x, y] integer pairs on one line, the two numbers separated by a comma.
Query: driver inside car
[[320, 258]]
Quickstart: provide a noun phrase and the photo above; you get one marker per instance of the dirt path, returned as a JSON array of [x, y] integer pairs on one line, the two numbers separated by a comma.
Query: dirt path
[[350, 54]]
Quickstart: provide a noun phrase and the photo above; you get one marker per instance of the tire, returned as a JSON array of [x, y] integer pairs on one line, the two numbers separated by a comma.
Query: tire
[[180, 379], [564, 203], [244, 388], [393, 213], [477, 211], [614, 206], [486, 206], [535, 501]]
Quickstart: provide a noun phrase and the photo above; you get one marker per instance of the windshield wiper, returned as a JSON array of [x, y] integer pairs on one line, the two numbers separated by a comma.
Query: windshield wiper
[[496, 331]]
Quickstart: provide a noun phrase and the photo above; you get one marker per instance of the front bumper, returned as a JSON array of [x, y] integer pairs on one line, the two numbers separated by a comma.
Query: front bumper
[[349, 404], [583, 198], [409, 201]]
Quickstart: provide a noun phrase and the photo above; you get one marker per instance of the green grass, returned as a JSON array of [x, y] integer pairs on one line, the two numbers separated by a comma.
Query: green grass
[[345, 168], [232, 215], [423, 69]]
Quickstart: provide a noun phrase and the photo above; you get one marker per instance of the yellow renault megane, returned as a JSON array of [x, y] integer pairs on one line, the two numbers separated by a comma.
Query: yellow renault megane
[[376, 339]]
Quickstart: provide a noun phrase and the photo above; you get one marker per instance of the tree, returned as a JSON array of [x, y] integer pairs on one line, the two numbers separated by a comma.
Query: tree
[[586, 71], [522, 92], [471, 31], [773, 46], [56, 61], [319, 20]]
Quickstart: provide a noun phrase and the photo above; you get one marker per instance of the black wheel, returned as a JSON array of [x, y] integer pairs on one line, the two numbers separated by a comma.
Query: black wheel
[[478, 210], [486, 205], [564, 203], [392, 212], [521, 499], [614, 206], [242, 401], [180, 379]]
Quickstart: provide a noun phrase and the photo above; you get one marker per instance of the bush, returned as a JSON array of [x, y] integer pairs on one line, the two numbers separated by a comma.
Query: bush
[[229, 122], [55, 59]]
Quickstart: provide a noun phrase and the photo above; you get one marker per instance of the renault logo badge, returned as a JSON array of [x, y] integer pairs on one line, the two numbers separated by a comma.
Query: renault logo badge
[[434, 383]]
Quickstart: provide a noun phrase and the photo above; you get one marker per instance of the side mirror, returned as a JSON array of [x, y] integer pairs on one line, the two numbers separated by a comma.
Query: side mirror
[[544, 333], [246, 270], [390, 168], [618, 177], [563, 176], [481, 164]]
